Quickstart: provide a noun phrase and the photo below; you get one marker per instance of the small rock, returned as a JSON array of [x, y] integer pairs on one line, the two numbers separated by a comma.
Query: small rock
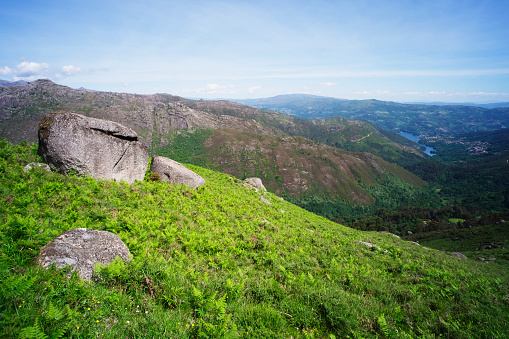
[[459, 255], [385, 232], [36, 164], [263, 199], [364, 243], [481, 259]]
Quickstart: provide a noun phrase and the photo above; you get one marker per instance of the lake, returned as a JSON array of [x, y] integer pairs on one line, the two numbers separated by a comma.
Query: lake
[[415, 138]]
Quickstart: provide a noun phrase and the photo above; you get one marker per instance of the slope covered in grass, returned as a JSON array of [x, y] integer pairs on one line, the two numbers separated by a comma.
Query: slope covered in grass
[[217, 262]]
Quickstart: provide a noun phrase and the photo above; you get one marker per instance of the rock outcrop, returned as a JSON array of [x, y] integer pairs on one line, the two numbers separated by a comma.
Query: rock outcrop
[[175, 173], [82, 249], [99, 148]]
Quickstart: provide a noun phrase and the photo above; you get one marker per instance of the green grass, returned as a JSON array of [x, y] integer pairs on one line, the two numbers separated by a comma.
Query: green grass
[[216, 262], [470, 242]]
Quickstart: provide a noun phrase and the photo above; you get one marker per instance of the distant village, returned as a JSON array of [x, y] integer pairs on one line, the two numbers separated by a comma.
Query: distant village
[[474, 147]]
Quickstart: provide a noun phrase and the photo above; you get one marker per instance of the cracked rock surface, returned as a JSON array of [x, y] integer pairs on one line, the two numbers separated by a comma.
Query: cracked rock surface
[[99, 148], [82, 248]]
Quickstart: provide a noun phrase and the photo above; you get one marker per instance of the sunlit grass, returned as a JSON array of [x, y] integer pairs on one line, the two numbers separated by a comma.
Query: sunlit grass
[[217, 262]]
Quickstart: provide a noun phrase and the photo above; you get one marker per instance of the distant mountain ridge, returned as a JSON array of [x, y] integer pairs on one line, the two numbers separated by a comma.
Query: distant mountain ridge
[[5, 83], [419, 119], [229, 132]]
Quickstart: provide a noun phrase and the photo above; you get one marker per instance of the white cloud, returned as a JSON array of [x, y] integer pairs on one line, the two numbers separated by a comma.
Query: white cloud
[[6, 71], [328, 84], [28, 69], [70, 69], [214, 89], [254, 89]]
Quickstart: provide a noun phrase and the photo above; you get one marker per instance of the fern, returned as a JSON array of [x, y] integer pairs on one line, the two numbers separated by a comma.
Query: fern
[[54, 313], [33, 332], [15, 286]]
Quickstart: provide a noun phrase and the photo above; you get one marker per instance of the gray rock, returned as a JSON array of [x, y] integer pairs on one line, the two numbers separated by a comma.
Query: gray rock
[[99, 148], [265, 200], [459, 255], [256, 182], [368, 244], [385, 232], [36, 164], [83, 248], [175, 173]]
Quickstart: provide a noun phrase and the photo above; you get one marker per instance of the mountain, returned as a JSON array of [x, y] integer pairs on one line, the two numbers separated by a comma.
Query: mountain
[[216, 262], [217, 134], [418, 119], [5, 83], [438, 103]]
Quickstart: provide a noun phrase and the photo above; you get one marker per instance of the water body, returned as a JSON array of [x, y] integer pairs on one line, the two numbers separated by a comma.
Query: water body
[[415, 138]]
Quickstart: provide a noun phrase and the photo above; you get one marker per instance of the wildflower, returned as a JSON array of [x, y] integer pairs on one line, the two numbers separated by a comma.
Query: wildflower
[[77, 327], [146, 312], [128, 322], [88, 309], [97, 321], [23, 302]]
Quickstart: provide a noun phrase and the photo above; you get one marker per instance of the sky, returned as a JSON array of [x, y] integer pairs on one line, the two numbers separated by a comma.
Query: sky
[[397, 50]]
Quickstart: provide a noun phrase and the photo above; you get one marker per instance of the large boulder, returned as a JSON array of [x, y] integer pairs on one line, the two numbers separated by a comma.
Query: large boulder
[[175, 173], [82, 249], [99, 148]]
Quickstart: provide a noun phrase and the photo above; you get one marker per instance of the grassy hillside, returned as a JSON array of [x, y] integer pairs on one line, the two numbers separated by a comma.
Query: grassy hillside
[[292, 166], [217, 262]]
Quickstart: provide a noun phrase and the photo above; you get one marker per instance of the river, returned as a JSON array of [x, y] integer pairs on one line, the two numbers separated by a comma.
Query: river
[[412, 137]]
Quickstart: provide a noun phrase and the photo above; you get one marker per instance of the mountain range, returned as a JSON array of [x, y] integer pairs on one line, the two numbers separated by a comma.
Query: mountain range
[[419, 119], [331, 158]]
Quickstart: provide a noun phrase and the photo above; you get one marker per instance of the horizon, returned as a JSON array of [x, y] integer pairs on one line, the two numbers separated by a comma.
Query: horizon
[[423, 51], [240, 100]]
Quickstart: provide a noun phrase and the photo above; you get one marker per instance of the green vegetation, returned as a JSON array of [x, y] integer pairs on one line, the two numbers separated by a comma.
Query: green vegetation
[[217, 262], [487, 241], [389, 193], [472, 169], [187, 146]]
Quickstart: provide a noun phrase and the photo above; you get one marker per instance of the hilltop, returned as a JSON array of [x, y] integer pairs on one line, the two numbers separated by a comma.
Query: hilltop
[[215, 134], [216, 262]]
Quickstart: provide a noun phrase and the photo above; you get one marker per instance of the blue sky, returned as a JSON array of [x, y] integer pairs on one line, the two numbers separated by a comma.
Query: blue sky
[[454, 51]]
